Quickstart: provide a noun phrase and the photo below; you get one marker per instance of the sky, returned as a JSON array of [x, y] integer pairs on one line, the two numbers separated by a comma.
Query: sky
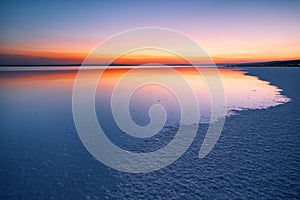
[[64, 32]]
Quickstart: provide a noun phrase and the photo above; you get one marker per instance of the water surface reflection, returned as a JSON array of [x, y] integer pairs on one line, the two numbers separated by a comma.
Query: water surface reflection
[[28, 88]]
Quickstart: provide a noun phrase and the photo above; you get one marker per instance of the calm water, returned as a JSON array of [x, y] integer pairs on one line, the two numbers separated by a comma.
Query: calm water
[[242, 91], [43, 157]]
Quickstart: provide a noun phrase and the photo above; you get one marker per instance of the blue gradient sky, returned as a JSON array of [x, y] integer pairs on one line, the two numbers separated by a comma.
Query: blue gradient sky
[[228, 30]]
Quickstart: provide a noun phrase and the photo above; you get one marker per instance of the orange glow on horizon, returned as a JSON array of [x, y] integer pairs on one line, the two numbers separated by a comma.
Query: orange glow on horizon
[[132, 59], [150, 56]]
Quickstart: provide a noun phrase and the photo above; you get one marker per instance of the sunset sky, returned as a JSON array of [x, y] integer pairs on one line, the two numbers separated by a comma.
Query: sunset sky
[[64, 32]]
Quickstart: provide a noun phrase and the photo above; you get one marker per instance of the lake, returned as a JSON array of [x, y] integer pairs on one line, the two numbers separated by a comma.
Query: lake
[[256, 155]]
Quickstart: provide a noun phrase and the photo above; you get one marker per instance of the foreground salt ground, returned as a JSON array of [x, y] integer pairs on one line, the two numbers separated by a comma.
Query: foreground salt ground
[[256, 156]]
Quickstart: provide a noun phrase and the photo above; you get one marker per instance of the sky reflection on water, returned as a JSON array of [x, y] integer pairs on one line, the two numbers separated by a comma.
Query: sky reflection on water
[[49, 87]]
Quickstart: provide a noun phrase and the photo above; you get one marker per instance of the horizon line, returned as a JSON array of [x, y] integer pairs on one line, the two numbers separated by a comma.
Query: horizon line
[[280, 62]]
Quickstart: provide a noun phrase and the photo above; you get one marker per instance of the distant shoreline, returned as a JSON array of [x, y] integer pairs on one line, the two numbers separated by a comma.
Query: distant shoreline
[[286, 63]]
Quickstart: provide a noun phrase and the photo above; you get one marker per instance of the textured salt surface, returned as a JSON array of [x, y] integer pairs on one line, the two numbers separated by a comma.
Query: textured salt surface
[[257, 155]]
